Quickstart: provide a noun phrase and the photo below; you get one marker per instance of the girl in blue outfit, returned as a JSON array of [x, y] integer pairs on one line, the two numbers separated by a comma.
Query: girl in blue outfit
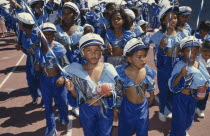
[[136, 79], [166, 55], [183, 17], [189, 81], [203, 58], [117, 36], [145, 36], [68, 33], [87, 81], [50, 80], [40, 14], [28, 39]]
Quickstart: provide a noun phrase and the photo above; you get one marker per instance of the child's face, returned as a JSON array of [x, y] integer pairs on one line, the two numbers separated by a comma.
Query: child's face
[[117, 21], [172, 19], [38, 8], [92, 53], [68, 15], [205, 55], [138, 58], [183, 19], [111, 9], [204, 32], [49, 36], [144, 28], [87, 30], [193, 55], [21, 26]]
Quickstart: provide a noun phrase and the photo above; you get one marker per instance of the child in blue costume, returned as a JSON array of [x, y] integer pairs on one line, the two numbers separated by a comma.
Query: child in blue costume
[[68, 33], [117, 36], [187, 79], [135, 28], [166, 55], [145, 36], [137, 78], [40, 14], [28, 39], [54, 11], [50, 80], [183, 17], [204, 30], [96, 114], [203, 58]]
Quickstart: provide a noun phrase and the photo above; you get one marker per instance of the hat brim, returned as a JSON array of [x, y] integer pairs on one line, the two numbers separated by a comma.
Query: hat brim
[[191, 44], [137, 48], [170, 10]]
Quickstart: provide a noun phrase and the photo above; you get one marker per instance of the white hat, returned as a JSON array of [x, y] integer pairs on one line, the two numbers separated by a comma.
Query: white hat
[[88, 25], [57, 2], [166, 10], [142, 22], [139, 3], [31, 2], [72, 6], [185, 10], [189, 41], [133, 45], [130, 13], [48, 27], [90, 39], [25, 18]]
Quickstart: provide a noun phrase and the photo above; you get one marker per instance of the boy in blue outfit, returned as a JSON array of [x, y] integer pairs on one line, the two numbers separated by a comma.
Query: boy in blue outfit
[[28, 39], [204, 30], [50, 80], [88, 80], [189, 81], [137, 78]]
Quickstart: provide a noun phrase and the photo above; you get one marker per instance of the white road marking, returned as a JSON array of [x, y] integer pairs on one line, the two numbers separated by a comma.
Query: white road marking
[[12, 71]]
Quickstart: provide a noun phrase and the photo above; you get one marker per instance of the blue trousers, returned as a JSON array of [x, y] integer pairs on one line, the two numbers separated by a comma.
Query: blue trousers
[[133, 118], [33, 81], [183, 114], [93, 123], [49, 92]]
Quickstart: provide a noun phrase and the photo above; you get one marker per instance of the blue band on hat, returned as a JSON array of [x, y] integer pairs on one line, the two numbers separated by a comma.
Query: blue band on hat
[[91, 42], [136, 47], [191, 43], [48, 29]]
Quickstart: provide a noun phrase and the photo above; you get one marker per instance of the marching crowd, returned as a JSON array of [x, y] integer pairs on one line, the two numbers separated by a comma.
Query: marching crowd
[[92, 55]]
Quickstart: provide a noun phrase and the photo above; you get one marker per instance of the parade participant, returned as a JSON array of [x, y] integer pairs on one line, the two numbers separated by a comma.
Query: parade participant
[[134, 28], [50, 80], [166, 55], [117, 36], [203, 58], [189, 81], [145, 36], [37, 7], [54, 11], [183, 17], [88, 29], [91, 87], [204, 30], [68, 33], [28, 39], [137, 78]]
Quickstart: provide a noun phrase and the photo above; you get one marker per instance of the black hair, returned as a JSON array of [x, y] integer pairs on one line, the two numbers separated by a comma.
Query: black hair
[[205, 45], [205, 25], [127, 24], [27, 26], [164, 26], [109, 5], [34, 4]]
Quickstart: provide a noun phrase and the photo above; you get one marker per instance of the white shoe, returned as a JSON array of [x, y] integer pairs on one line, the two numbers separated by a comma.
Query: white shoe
[[169, 115], [75, 111], [199, 113], [162, 117]]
